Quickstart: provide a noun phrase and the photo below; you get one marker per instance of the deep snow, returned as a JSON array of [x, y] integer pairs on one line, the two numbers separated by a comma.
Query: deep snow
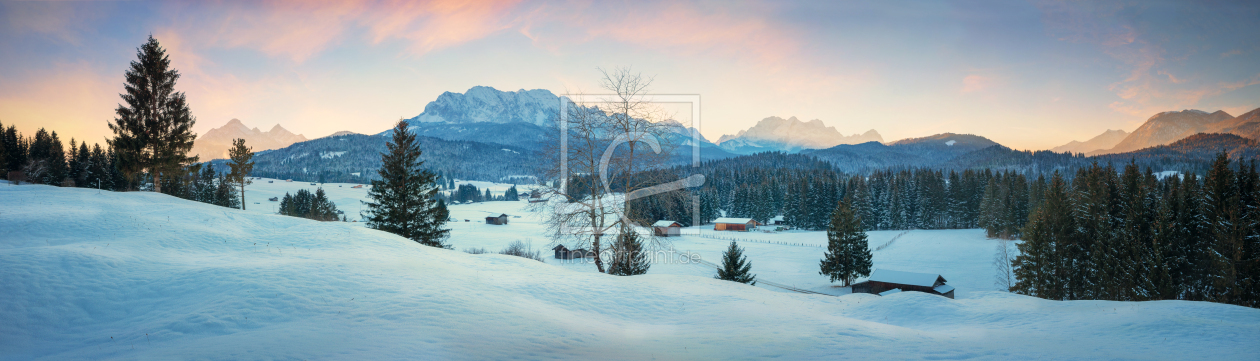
[[88, 275]]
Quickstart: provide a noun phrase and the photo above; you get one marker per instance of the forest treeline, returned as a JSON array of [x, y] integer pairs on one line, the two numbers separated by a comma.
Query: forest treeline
[[1132, 236], [44, 159]]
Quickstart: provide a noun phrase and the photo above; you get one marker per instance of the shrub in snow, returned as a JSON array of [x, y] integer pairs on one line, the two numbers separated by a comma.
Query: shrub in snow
[[520, 249]]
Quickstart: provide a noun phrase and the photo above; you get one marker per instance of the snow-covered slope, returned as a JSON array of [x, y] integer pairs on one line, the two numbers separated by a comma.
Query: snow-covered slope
[[215, 143], [1107, 140], [791, 135], [90, 275]]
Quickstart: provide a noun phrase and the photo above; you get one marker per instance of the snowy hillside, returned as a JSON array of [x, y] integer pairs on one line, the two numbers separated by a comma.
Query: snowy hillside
[[91, 275]]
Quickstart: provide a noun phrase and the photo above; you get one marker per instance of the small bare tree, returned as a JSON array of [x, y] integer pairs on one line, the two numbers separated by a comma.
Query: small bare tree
[[1002, 257], [597, 157]]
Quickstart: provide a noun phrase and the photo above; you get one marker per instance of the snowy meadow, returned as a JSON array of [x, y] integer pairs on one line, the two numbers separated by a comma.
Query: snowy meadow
[[139, 275]]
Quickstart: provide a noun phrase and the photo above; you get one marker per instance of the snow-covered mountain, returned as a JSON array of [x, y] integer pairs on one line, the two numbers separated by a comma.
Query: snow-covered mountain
[[1167, 127], [519, 118], [1106, 140], [482, 104], [790, 135], [215, 143]]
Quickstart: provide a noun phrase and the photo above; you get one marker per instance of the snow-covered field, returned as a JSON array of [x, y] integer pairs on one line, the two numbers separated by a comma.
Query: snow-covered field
[[88, 275]]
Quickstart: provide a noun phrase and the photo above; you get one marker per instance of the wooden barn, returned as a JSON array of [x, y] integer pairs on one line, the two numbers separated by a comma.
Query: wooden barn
[[777, 221], [883, 281], [501, 219], [666, 229], [734, 224], [563, 252]]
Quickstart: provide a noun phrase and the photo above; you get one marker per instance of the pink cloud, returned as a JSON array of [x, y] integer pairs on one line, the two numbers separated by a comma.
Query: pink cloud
[[975, 83]]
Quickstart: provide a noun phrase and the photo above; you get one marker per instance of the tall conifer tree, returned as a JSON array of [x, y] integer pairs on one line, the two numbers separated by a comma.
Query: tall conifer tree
[[153, 129], [242, 164], [402, 201], [848, 256]]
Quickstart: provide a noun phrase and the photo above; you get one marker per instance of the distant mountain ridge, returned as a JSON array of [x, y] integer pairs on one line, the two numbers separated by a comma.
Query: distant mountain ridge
[[790, 135], [1107, 140], [1168, 127], [214, 144], [927, 151]]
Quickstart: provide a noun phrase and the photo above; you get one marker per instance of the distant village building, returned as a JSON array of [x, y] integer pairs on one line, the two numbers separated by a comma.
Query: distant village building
[[735, 224], [666, 229], [777, 221], [501, 219], [563, 252], [535, 197], [274, 199], [358, 186], [883, 282]]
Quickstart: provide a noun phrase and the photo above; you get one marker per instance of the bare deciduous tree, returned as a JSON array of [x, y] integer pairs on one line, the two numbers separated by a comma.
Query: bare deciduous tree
[[596, 158]]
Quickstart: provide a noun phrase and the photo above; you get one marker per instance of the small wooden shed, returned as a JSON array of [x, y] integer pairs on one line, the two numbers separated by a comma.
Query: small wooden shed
[[735, 224], [501, 219], [882, 281], [777, 221], [666, 228], [563, 252]]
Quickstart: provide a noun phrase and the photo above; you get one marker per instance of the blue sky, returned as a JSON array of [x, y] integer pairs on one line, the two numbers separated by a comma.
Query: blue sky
[[1030, 75]]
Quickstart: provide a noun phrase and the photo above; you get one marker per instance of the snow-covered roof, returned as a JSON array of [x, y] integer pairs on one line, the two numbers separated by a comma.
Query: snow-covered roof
[[905, 278], [777, 219], [733, 220], [889, 292], [943, 289], [663, 223]]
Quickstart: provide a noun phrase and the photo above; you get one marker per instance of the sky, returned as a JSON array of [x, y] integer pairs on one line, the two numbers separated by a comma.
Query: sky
[[1029, 75]]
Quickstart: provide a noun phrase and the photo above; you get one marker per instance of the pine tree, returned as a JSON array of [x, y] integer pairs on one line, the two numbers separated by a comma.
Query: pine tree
[[402, 201], [511, 195], [56, 161], [153, 131], [442, 213], [1226, 228], [1042, 268], [242, 164], [629, 257], [735, 266], [848, 256]]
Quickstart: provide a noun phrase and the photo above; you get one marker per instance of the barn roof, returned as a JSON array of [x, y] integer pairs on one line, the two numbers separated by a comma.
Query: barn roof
[[943, 289], [889, 292], [733, 220], [777, 219], [906, 278], [664, 223]]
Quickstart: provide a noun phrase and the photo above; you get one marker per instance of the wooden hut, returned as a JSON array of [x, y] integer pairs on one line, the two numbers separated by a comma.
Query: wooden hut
[[666, 229], [501, 219], [563, 252], [734, 224], [882, 281], [777, 221]]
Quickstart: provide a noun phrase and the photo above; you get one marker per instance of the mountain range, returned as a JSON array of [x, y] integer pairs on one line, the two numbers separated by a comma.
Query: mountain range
[[790, 135], [215, 143], [1106, 140], [487, 134], [1168, 127]]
